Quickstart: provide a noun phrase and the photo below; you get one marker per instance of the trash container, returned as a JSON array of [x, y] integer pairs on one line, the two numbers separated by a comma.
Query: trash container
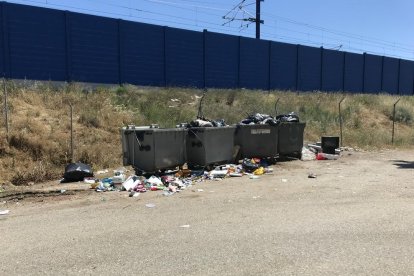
[[329, 144], [209, 145], [256, 141], [290, 139], [150, 149]]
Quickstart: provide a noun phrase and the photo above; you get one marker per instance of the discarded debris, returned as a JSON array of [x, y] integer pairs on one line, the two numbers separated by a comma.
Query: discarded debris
[[308, 154], [4, 212], [327, 156], [77, 172], [102, 172], [185, 226], [150, 205], [311, 175]]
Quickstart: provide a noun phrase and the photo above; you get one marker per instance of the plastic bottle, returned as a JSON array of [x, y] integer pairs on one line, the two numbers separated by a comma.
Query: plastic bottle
[[326, 156]]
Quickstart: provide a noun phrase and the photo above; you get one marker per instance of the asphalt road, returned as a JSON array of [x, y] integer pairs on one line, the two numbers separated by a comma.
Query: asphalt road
[[355, 218]]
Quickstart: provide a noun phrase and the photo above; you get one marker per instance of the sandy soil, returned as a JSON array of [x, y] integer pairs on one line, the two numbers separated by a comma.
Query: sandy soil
[[355, 218]]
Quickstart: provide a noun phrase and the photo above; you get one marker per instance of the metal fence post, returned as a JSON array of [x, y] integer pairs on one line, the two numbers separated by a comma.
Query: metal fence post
[[340, 118], [276, 104], [71, 133], [393, 121], [6, 109]]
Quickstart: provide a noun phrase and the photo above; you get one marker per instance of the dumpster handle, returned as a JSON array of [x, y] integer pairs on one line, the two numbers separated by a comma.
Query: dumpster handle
[[136, 138]]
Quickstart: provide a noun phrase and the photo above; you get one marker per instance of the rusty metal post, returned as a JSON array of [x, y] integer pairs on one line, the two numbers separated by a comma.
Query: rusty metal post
[[6, 109], [340, 119], [393, 121], [276, 104], [71, 133]]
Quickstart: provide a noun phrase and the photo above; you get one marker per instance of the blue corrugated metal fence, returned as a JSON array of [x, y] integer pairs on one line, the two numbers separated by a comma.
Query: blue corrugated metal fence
[[45, 44]]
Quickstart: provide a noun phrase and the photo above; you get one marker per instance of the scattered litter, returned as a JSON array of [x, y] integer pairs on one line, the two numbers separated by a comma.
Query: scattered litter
[[259, 171], [249, 165], [102, 172], [327, 156], [235, 174], [77, 172], [284, 180], [185, 226], [130, 183], [118, 178], [174, 181], [218, 173], [4, 212], [307, 154], [311, 175], [62, 191], [256, 197], [134, 194], [150, 205], [90, 180]]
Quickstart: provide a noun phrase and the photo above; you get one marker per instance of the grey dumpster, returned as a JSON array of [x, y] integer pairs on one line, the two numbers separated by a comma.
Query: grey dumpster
[[290, 140], [256, 141], [210, 145], [150, 149]]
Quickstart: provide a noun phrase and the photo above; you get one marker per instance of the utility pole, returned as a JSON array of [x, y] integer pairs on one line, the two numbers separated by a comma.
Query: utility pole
[[257, 19], [240, 7]]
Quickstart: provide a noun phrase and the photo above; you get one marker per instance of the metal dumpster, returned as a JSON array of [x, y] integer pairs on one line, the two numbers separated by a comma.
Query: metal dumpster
[[150, 149], [290, 140], [209, 145], [256, 141]]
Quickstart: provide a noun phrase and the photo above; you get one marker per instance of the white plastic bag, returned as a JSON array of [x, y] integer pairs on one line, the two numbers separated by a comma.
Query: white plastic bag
[[307, 154]]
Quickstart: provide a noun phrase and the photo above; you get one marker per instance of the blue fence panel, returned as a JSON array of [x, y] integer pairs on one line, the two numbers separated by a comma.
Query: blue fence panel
[[184, 58], [390, 75], [2, 69], [36, 43], [332, 70], [283, 66], [142, 53], [309, 68], [254, 63], [373, 73], [222, 60], [406, 77], [354, 72], [94, 48]]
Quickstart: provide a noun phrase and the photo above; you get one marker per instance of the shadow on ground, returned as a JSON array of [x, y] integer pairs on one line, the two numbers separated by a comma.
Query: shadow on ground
[[402, 164]]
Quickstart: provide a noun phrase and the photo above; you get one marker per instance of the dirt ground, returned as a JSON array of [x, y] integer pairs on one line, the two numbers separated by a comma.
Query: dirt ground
[[355, 218]]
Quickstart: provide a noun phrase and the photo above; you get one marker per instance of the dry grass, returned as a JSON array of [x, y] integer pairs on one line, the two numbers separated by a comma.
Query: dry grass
[[39, 141]]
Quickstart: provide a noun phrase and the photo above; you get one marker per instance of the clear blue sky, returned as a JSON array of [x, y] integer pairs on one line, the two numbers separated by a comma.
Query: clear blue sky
[[382, 27]]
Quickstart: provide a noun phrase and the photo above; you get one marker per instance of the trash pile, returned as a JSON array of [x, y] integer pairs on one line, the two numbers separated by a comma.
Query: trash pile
[[318, 152], [172, 182], [265, 119], [203, 122], [259, 119]]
